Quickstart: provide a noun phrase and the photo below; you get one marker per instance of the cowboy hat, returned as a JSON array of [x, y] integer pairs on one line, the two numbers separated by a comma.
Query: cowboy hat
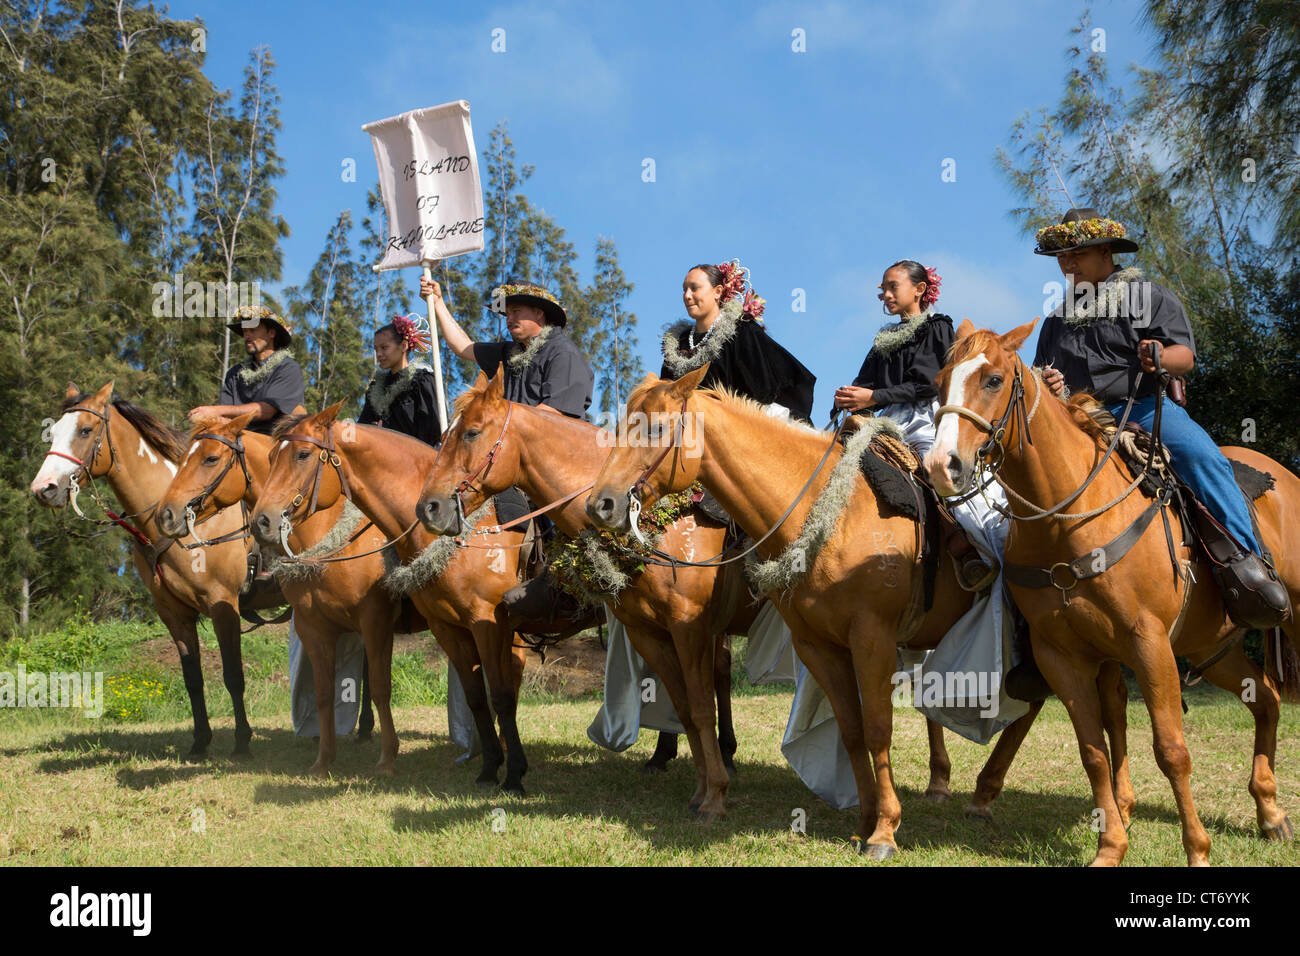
[[525, 293], [249, 316], [1080, 228]]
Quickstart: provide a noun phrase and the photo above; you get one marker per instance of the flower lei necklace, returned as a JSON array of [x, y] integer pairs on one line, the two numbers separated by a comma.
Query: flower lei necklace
[[897, 334], [387, 386], [710, 345], [524, 355], [252, 374]]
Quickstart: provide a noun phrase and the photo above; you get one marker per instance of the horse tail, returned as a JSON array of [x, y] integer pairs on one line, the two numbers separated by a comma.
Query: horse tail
[[1282, 663]]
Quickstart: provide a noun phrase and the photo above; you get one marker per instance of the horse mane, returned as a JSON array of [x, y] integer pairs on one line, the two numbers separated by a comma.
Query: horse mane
[[286, 423], [171, 443], [754, 409]]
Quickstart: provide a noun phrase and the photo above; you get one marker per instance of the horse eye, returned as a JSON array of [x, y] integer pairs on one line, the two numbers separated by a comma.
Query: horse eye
[[994, 382], [210, 460], [85, 431], [472, 433], [304, 455]]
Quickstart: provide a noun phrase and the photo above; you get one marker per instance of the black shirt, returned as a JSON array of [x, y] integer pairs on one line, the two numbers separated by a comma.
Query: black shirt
[[283, 388], [907, 373], [558, 375], [752, 363], [1101, 356], [413, 411]]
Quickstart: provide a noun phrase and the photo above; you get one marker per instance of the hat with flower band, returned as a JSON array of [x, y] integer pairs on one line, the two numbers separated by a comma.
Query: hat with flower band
[[525, 293], [250, 316], [1081, 228]]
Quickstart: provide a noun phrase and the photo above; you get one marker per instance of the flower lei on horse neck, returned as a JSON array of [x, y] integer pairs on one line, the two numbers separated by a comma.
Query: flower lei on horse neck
[[735, 309], [897, 334]]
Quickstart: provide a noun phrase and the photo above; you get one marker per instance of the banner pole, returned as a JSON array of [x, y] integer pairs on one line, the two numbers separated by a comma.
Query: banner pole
[[436, 347]]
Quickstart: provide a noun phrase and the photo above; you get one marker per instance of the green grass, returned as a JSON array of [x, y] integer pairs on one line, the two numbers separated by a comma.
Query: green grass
[[76, 791]]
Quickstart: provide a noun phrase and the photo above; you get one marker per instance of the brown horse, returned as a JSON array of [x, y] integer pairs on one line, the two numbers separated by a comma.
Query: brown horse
[[225, 464], [136, 455], [1129, 611], [755, 466], [315, 463], [677, 619]]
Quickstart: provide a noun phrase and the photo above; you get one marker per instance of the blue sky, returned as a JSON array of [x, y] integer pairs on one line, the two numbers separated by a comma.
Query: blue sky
[[816, 169]]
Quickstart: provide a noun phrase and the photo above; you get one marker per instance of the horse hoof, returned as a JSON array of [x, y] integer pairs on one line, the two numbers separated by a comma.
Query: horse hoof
[[1278, 831], [319, 770], [364, 737], [938, 796], [196, 755], [514, 789], [979, 814], [486, 783], [385, 770], [731, 772], [649, 769], [710, 816], [876, 851]]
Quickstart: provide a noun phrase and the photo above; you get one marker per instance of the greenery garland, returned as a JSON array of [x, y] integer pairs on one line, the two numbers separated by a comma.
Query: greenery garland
[[597, 565]]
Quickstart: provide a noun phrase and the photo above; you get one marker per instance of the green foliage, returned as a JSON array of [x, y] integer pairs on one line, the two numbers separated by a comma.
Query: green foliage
[[1191, 210]]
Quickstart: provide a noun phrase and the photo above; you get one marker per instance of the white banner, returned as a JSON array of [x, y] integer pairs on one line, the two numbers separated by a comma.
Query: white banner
[[428, 175]]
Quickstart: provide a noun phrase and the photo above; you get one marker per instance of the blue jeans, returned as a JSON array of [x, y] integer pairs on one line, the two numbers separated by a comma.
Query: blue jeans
[[1199, 462]]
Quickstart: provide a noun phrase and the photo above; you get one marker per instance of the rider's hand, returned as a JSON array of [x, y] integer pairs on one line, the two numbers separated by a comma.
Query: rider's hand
[[853, 397], [1145, 356], [202, 412], [430, 287], [1054, 380]]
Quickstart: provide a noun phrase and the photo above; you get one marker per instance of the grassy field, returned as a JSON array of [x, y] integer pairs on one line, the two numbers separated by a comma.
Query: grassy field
[[114, 791]]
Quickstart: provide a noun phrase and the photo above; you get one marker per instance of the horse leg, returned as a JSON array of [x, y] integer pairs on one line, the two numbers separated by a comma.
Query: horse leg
[[832, 668], [377, 632], [722, 688], [661, 655], [1161, 689], [874, 662], [225, 621], [1237, 674], [696, 650], [463, 656], [665, 750], [1075, 683], [366, 719], [185, 635], [940, 764], [319, 646], [1113, 691], [989, 783], [495, 641]]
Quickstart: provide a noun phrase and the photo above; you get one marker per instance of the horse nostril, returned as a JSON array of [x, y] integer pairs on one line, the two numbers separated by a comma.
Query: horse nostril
[[263, 523], [954, 464]]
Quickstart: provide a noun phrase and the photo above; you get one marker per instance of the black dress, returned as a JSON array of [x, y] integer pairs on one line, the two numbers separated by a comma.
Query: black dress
[[744, 358], [905, 375], [413, 410]]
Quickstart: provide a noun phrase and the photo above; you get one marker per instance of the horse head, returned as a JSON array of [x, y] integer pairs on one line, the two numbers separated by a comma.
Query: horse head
[[305, 474], [648, 459], [474, 462], [977, 388], [207, 479], [79, 446]]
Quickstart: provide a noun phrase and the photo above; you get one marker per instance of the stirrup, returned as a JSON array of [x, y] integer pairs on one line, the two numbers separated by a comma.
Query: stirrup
[[975, 575]]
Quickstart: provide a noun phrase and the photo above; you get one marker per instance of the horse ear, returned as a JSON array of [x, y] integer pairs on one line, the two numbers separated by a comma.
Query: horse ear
[[238, 424], [650, 379], [72, 392], [690, 381], [327, 417], [104, 395], [481, 382], [496, 388], [1016, 337], [965, 329]]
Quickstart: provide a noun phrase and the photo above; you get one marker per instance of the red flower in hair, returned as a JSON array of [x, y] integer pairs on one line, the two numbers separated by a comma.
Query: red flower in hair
[[734, 278], [932, 283], [754, 305], [415, 339]]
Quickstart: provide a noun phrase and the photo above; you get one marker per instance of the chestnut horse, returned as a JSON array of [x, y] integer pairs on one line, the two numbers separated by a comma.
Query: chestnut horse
[[849, 611], [136, 455], [225, 464], [315, 463], [677, 619], [1132, 607]]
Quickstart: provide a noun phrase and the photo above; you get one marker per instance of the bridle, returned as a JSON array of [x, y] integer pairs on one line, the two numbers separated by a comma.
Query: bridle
[[1065, 575], [199, 501], [102, 434], [718, 560], [328, 453]]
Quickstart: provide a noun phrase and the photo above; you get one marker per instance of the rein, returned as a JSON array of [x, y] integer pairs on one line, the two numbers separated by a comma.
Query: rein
[[717, 561], [197, 503]]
